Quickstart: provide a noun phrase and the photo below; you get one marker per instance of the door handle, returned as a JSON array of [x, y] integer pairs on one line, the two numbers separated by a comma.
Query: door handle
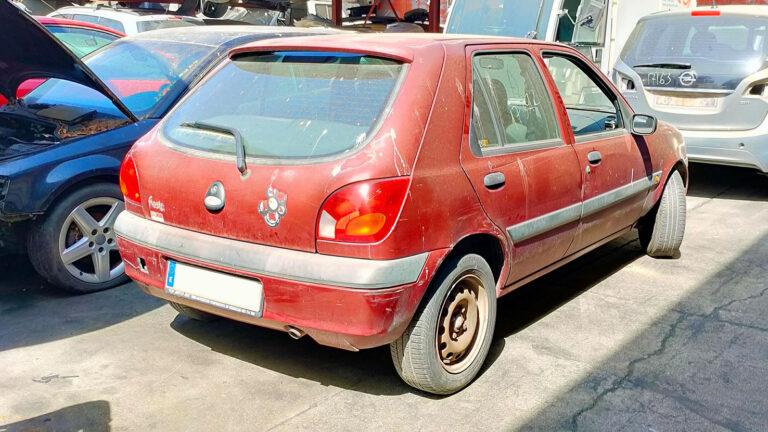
[[494, 180], [594, 157]]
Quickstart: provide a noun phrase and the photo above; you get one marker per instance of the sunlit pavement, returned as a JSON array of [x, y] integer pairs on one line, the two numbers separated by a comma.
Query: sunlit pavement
[[613, 341]]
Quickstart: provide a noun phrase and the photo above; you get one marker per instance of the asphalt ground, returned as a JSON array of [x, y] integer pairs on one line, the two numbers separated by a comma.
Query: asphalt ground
[[613, 341]]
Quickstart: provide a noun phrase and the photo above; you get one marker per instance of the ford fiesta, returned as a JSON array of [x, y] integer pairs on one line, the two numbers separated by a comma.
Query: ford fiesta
[[368, 190]]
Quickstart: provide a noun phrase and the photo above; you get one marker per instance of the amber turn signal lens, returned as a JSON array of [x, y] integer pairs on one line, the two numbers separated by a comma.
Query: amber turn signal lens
[[366, 225]]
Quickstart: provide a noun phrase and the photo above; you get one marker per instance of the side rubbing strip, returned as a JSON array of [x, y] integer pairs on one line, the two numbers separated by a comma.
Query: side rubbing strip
[[544, 223], [603, 201], [540, 225]]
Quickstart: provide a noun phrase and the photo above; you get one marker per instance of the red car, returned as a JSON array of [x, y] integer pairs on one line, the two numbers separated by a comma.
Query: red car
[[386, 189], [81, 38]]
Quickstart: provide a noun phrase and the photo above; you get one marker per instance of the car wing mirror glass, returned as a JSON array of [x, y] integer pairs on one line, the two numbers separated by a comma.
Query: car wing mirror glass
[[643, 124]]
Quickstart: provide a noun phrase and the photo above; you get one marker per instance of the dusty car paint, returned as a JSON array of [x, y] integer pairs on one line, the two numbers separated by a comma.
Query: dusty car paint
[[425, 138]]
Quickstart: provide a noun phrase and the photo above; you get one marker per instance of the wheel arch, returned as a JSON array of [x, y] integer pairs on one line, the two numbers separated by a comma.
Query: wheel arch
[[486, 245], [79, 183]]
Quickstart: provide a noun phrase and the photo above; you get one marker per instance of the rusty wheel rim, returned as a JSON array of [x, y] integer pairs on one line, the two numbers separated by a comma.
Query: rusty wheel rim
[[462, 324]]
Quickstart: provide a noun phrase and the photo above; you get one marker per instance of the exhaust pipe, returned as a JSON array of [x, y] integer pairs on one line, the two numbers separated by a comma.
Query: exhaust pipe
[[294, 332]]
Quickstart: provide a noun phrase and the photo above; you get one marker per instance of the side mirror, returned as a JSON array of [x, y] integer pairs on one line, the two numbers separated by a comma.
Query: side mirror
[[644, 124]]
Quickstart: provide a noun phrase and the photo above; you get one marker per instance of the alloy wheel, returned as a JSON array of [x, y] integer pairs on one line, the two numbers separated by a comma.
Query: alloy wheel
[[87, 243]]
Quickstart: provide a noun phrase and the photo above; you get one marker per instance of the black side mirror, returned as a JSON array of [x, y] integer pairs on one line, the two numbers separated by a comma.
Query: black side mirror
[[644, 124]]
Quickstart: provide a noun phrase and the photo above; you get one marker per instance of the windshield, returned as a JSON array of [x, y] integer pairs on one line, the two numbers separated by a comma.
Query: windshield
[[287, 105], [142, 73], [697, 52], [500, 17]]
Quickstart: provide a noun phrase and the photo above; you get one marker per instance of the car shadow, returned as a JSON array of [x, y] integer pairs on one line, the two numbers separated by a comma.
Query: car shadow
[[725, 182], [93, 416], [33, 312], [371, 371]]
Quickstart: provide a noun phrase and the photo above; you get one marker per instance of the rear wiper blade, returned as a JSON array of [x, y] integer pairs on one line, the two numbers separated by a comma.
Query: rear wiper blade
[[239, 143], [665, 65]]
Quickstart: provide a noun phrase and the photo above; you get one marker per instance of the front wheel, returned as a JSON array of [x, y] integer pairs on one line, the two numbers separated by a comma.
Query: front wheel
[[446, 343], [661, 231], [74, 245]]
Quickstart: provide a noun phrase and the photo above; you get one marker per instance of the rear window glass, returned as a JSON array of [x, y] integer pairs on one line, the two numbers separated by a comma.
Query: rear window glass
[[721, 50], [287, 105]]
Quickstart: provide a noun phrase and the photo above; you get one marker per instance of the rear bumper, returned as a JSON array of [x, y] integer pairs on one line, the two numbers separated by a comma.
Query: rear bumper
[[344, 302], [743, 148]]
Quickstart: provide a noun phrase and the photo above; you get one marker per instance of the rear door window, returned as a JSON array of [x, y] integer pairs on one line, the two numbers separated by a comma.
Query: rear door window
[[590, 108], [292, 105], [511, 107]]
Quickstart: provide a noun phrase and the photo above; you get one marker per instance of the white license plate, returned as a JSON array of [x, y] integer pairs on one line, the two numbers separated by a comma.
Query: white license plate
[[698, 102], [224, 291]]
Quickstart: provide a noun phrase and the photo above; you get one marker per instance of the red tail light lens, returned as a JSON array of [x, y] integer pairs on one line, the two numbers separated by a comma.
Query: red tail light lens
[[362, 212], [129, 180]]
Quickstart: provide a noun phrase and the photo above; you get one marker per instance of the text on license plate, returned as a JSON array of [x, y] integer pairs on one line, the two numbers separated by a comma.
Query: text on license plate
[[697, 102], [224, 291]]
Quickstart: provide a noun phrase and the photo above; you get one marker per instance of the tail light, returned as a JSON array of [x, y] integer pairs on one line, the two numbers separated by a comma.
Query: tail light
[[363, 212], [710, 12], [129, 180]]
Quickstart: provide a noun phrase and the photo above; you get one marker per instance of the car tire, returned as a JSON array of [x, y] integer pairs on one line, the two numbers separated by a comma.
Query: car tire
[[661, 232], [193, 313], [60, 236], [421, 355], [215, 10]]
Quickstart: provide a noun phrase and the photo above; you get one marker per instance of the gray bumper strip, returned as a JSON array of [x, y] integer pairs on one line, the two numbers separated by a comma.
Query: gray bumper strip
[[267, 260]]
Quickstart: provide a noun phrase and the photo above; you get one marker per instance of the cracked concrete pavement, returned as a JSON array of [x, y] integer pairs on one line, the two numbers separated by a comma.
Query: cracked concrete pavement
[[613, 341]]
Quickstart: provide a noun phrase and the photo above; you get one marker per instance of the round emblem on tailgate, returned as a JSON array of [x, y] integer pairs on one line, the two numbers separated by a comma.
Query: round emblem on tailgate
[[688, 78], [214, 198]]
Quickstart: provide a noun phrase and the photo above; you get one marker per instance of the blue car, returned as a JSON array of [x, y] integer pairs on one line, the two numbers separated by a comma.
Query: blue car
[[62, 144]]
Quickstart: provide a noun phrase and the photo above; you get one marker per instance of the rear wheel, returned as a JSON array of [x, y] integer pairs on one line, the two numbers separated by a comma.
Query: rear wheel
[[661, 231], [446, 343], [193, 313], [74, 245]]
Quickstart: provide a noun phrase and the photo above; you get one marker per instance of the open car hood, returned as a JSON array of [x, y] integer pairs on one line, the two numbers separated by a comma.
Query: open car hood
[[28, 50]]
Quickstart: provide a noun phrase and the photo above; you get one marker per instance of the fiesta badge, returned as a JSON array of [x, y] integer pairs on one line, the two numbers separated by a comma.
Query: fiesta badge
[[273, 208]]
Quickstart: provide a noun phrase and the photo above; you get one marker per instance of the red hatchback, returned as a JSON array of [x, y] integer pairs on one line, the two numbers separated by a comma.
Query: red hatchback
[[386, 189]]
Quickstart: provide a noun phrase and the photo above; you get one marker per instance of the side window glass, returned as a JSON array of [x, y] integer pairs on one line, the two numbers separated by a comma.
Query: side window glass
[[113, 24], [509, 90], [86, 18], [482, 122], [590, 109]]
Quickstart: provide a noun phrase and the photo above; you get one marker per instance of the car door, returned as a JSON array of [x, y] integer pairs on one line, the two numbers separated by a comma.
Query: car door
[[527, 178], [615, 168]]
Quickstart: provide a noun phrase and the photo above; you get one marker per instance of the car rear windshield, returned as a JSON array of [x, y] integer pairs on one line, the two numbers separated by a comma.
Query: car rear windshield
[[720, 50], [287, 105]]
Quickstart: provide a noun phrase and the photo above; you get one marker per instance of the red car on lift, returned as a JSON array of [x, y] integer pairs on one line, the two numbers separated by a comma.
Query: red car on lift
[[386, 189], [81, 38]]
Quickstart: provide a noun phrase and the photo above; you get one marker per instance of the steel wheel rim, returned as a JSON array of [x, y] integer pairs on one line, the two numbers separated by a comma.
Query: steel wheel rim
[[87, 243], [462, 323]]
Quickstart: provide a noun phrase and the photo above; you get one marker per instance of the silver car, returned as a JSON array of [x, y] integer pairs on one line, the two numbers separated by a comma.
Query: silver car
[[704, 71]]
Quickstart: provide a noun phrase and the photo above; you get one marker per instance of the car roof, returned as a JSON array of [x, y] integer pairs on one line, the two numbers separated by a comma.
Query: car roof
[[402, 46], [67, 22], [218, 35], [760, 11]]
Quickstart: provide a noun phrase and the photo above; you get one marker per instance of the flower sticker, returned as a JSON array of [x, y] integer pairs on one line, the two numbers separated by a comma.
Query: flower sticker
[[273, 208]]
